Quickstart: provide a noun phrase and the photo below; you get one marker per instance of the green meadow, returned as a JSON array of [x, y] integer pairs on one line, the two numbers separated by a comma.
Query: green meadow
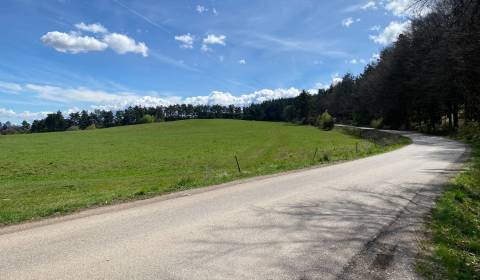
[[56, 173]]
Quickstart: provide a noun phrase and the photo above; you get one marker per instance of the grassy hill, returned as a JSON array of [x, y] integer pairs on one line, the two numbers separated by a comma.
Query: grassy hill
[[55, 173]]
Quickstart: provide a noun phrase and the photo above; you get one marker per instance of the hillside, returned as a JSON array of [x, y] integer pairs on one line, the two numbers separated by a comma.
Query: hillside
[[54, 173]]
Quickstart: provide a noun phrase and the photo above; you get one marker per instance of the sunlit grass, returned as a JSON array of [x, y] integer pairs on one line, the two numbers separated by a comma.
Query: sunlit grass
[[454, 249], [56, 173]]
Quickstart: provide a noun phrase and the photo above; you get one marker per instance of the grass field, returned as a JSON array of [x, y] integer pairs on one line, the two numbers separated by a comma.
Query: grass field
[[55, 173], [453, 250]]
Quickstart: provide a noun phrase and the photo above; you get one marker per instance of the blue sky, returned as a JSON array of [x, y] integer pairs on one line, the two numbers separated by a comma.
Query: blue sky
[[72, 54]]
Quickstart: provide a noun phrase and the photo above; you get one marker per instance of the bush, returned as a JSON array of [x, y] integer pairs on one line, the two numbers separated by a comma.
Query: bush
[[377, 123], [325, 121], [91, 127], [73, 128], [147, 119], [470, 131]]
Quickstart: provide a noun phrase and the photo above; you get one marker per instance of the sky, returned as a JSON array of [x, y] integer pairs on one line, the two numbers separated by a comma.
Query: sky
[[71, 55]]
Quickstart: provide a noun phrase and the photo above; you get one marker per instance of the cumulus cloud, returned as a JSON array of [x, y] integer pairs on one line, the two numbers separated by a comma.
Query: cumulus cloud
[[399, 7], [375, 57], [375, 28], [186, 40], [99, 99], [123, 44], [72, 42], [213, 39], [16, 117], [347, 22], [405, 8], [201, 9], [226, 98], [94, 27], [242, 61], [390, 33], [335, 79]]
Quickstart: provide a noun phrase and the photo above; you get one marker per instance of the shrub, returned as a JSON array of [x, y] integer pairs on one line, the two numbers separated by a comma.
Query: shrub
[[470, 131], [91, 127], [147, 119], [377, 123], [325, 121], [73, 128]]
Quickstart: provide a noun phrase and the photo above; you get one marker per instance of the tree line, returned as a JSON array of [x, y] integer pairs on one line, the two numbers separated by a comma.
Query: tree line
[[426, 80]]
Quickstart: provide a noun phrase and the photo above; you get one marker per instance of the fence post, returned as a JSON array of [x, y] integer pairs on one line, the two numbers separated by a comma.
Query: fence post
[[315, 154], [238, 165]]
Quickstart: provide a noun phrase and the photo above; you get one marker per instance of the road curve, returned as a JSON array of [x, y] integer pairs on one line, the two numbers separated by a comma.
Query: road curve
[[347, 221]]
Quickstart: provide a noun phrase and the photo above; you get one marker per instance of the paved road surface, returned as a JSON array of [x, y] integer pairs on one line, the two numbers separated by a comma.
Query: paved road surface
[[348, 221]]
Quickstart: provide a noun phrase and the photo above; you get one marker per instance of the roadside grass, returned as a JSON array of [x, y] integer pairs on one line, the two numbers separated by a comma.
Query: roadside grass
[[57, 173], [453, 248]]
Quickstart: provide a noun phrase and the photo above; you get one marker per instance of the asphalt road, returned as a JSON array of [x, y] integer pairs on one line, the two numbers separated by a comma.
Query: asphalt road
[[354, 220]]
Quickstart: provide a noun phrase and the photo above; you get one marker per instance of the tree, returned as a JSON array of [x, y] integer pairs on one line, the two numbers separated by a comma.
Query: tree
[[84, 120], [55, 122], [302, 105], [25, 125]]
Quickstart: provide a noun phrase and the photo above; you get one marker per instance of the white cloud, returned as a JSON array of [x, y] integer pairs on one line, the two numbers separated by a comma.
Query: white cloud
[[17, 117], [81, 94], [214, 11], [369, 5], [390, 33], [399, 7], [205, 48], [10, 87], [375, 57], [213, 39], [375, 28], [357, 61], [347, 22], [94, 27], [98, 99], [242, 61], [201, 9], [319, 86], [186, 39], [122, 44], [226, 98], [406, 8], [336, 79], [72, 42]]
